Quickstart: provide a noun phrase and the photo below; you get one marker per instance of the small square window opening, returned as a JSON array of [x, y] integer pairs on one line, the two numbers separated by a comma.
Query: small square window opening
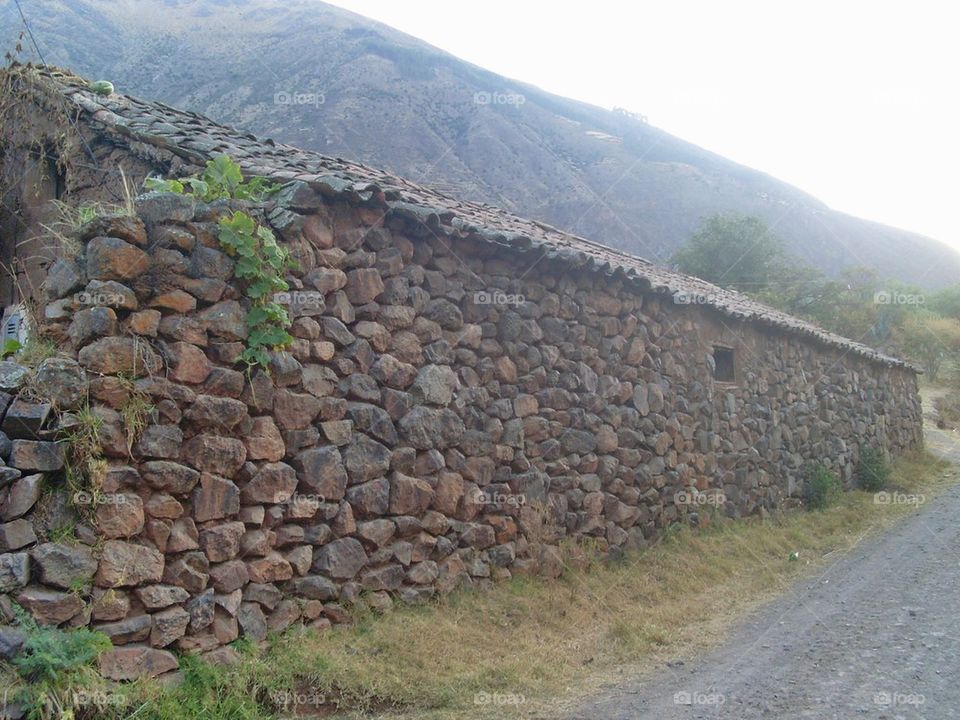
[[723, 368]]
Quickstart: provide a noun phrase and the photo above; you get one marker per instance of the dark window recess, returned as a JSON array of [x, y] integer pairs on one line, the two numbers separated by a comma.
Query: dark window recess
[[57, 179], [723, 369]]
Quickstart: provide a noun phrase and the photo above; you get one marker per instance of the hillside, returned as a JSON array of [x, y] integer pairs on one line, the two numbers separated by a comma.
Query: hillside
[[386, 99]]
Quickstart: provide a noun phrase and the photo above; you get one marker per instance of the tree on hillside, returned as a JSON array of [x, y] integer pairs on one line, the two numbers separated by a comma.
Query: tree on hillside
[[945, 302], [931, 340], [733, 251]]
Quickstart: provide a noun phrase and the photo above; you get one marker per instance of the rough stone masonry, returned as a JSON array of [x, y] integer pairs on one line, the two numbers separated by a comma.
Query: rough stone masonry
[[454, 407]]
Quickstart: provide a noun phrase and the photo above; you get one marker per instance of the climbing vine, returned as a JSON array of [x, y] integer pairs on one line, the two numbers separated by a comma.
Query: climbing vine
[[260, 261]]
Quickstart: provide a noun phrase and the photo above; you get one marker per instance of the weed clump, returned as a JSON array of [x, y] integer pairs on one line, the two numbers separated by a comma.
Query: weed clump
[[823, 487]]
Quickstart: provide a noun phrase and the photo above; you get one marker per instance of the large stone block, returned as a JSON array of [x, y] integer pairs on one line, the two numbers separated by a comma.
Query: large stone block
[[125, 564], [64, 565]]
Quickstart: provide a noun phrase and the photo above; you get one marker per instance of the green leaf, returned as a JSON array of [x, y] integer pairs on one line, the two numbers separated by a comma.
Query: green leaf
[[247, 268], [11, 346], [161, 185], [223, 176], [198, 187]]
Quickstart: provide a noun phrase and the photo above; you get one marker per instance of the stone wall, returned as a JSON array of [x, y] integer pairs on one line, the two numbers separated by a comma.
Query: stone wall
[[448, 414]]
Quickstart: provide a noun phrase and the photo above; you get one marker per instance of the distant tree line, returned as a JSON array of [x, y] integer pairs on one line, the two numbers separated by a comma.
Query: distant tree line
[[741, 253]]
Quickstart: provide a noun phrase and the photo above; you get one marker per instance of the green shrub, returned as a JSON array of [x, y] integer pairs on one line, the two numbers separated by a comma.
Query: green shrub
[[872, 469], [823, 487], [50, 653], [53, 666]]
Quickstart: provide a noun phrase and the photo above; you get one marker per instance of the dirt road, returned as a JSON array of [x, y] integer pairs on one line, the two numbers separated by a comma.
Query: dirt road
[[875, 635]]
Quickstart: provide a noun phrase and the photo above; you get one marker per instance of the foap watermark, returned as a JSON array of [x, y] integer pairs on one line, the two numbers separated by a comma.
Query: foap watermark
[[297, 497], [885, 698], [299, 98], [300, 298], [498, 98], [500, 499], [685, 697], [684, 297], [692, 496], [888, 297], [86, 497], [97, 698], [498, 698], [898, 498], [289, 699], [98, 298], [496, 297]]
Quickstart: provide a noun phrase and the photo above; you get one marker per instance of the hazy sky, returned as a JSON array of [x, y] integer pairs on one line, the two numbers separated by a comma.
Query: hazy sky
[[854, 102]]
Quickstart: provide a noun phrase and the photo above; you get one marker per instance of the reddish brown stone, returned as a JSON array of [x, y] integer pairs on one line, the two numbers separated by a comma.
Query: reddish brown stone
[[264, 441], [158, 532], [189, 364], [170, 477], [122, 517], [273, 483], [176, 300], [112, 391], [225, 627], [190, 571], [215, 498], [214, 412], [294, 411], [168, 626], [408, 495], [154, 597], [272, 568], [109, 604], [229, 576], [363, 286], [287, 613], [49, 607], [222, 542], [257, 542], [125, 564], [214, 454], [183, 536], [144, 322], [130, 663], [111, 258], [115, 355], [226, 319], [183, 329], [161, 505], [450, 488]]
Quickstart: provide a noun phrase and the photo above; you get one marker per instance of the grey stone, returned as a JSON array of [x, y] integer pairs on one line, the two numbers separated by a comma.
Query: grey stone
[[16, 534], [64, 565], [14, 571], [434, 385], [22, 496], [341, 559], [61, 381]]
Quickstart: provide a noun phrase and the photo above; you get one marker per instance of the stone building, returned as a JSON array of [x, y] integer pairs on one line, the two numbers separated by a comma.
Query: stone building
[[465, 392]]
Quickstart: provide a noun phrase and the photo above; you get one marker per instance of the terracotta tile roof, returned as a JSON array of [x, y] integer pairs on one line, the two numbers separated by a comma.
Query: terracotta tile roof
[[196, 138]]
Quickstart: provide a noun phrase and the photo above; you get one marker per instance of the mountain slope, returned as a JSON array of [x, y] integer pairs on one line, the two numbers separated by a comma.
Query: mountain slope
[[322, 78]]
